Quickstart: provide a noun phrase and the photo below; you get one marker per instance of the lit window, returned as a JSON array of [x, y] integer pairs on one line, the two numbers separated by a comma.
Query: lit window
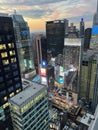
[[13, 60], [12, 94], [11, 45], [2, 46], [5, 62], [4, 54], [12, 53], [5, 105], [5, 98], [18, 90]]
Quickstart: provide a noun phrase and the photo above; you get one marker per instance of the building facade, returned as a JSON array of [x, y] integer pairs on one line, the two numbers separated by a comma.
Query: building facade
[[29, 109], [55, 32], [87, 37], [82, 28], [88, 72], [10, 79], [24, 45]]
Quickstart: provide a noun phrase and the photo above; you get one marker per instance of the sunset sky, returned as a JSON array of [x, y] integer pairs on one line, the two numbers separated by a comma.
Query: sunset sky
[[37, 12]]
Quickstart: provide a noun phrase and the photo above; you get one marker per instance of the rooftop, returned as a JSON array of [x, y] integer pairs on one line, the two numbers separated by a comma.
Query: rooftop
[[86, 119], [26, 94]]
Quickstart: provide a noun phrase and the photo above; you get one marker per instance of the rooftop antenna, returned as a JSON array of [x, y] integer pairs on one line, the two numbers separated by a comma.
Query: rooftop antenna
[[14, 11]]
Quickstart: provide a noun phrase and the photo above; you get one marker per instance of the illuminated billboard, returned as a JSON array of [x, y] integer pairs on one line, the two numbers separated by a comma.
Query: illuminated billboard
[[44, 80], [72, 42], [95, 30], [43, 72]]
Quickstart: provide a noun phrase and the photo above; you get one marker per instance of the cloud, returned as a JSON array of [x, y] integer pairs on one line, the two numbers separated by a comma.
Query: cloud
[[46, 10], [36, 13], [29, 2]]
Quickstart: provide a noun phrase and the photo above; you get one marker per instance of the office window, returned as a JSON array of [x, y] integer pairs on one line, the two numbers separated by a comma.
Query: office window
[[3, 93], [2, 85], [9, 75], [6, 69], [17, 85], [16, 79], [5, 62], [1, 79], [13, 60], [9, 82], [14, 66], [2, 46], [10, 89], [11, 45], [4, 54], [5, 105], [5, 98], [12, 94], [15, 73], [12, 53]]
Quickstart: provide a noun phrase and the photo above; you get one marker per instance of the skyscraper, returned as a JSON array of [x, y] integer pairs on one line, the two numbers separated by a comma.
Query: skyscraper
[[24, 45], [94, 36], [88, 72], [95, 18], [55, 32], [87, 37], [95, 93], [82, 28], [71, 63], [10, 79]]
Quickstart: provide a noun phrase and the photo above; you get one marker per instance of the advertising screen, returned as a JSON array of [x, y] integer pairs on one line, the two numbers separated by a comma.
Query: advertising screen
[[44, 80], [95, 30], [43, 72]]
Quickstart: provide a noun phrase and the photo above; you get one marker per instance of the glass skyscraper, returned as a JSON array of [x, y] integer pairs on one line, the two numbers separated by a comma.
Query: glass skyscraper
[[10, 79], [24, 45]]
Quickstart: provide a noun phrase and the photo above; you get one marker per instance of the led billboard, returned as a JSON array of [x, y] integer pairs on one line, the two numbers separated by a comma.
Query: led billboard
[[95, 30], [43, 72]]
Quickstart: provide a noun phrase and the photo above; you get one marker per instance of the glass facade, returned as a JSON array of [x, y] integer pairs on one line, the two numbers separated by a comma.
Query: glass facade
[[55, 32], [8, 59], [31, 115], [23, 43]]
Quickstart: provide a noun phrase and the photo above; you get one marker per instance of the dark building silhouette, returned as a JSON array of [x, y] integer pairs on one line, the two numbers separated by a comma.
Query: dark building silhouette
[[82, 28], [10, 79], [55, 32], [87, 37]]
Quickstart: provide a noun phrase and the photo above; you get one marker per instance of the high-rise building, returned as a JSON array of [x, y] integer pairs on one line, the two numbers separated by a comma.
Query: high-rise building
[[29, 109], [87, 37], [55, 32], [88, 72], [82, 28], [95, 18], [95, 91], [94, 36], [24, 45], [10, 79], [40, 48], [71, 62]]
